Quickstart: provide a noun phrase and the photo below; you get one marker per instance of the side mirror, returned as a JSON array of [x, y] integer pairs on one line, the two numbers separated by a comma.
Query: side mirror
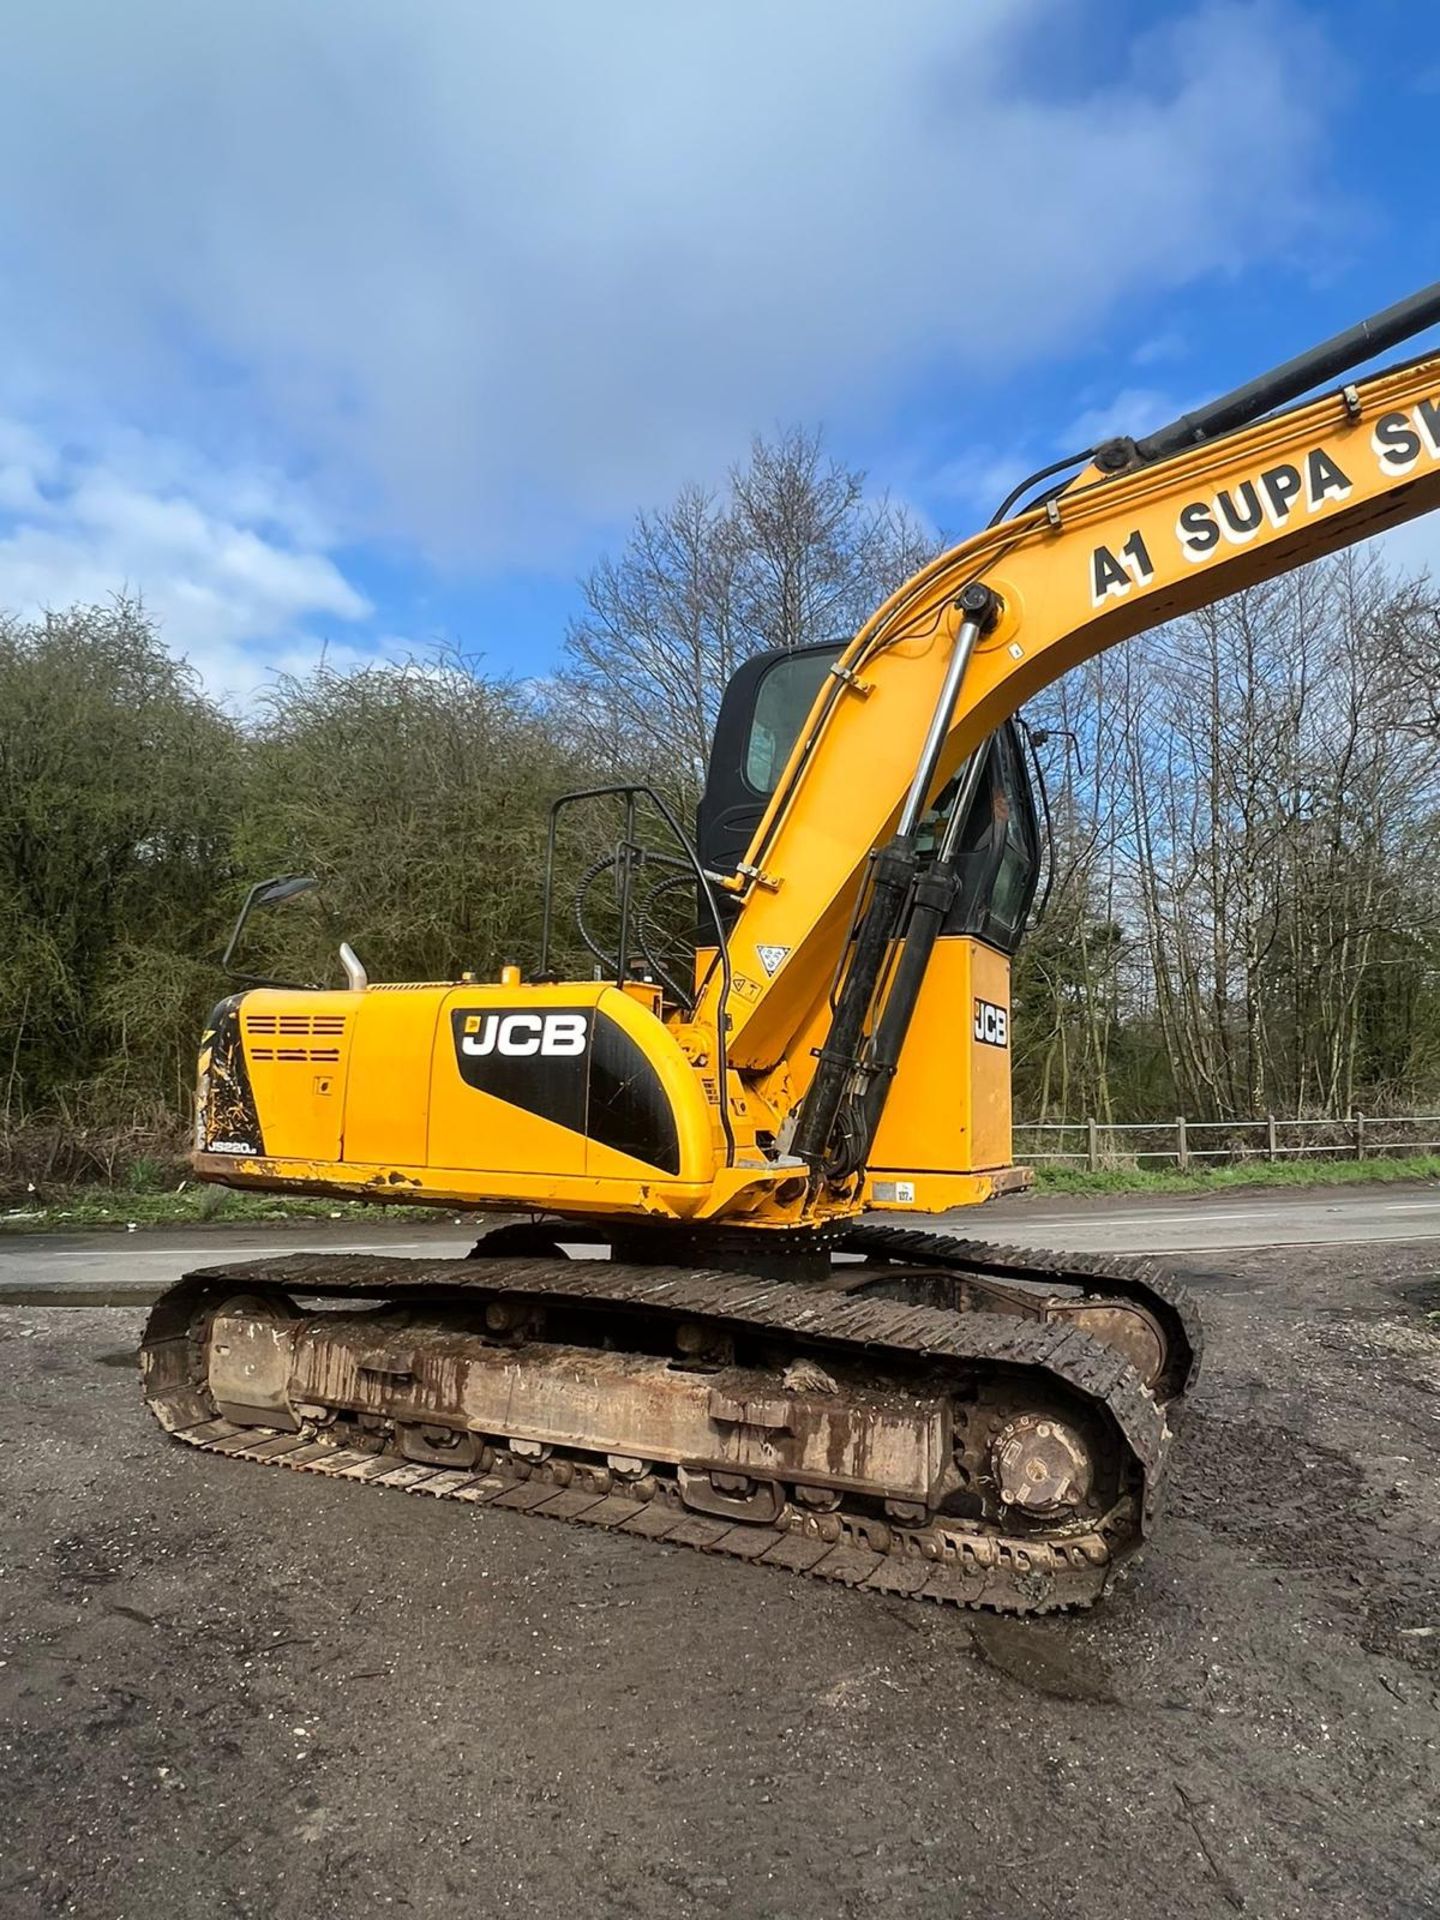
[[265, 893], [269, 893]]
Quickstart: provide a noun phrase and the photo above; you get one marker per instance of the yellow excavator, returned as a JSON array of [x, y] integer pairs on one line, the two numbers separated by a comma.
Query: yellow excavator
[[694, 1328]]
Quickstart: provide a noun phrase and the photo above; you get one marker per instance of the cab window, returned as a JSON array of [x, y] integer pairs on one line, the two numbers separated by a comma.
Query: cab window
[[785, 696], [997, 856]]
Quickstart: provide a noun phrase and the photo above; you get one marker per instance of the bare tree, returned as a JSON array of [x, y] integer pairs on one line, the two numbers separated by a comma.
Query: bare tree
[[1259, 826], [792, 551]]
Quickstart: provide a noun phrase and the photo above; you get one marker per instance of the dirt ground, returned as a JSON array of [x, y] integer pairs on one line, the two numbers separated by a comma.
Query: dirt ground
[[232, 1691]]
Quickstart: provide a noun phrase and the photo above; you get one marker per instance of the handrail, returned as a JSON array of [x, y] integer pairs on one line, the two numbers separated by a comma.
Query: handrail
[[630, 792]]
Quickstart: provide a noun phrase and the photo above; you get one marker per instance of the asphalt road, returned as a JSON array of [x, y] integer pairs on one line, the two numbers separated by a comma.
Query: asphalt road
[[1212, 1223], [234, 1691], [134, 1266]]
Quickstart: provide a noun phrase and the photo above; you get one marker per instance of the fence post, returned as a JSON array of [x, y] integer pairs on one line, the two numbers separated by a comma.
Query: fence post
[[1272, 1149], [1182, 1144], [1092, 1143], [1359, 1136]]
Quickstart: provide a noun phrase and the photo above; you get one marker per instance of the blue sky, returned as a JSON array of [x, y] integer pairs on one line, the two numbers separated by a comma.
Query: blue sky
[[359, 326]]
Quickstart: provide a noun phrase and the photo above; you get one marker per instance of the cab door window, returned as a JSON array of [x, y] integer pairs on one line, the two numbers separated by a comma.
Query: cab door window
[[997, 857]]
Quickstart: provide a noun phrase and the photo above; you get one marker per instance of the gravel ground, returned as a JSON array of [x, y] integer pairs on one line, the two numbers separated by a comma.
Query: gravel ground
[[227, 1691]]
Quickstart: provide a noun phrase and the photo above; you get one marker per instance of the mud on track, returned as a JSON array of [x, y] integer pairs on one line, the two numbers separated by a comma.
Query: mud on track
[[240, 1692]]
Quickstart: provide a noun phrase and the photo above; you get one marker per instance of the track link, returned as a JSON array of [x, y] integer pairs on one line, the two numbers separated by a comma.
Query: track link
[[946, 1560], [1143, 1282]]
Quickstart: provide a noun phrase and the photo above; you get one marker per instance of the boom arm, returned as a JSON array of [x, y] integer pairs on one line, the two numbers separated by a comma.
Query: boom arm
[[1110, 556]]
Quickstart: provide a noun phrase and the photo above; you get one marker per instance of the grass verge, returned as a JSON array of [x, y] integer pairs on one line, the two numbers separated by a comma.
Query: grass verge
[[1250, 1173], [194, 1205], [120, 1208]]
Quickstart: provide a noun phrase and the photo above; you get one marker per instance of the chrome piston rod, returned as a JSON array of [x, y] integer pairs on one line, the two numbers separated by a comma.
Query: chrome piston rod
[[971, 627]]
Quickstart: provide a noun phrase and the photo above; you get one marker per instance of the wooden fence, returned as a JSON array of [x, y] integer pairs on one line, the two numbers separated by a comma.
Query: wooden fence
[[1096, 1144]]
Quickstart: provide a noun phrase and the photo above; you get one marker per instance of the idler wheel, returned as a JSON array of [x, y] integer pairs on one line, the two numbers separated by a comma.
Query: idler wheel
[[1041, 1466]]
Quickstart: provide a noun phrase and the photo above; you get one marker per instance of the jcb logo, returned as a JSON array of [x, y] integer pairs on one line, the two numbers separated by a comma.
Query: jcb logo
[[523, 1034], [992, 1024]]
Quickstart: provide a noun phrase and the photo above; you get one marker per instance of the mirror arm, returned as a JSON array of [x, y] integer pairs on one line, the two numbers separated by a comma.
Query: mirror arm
[[291, 884]]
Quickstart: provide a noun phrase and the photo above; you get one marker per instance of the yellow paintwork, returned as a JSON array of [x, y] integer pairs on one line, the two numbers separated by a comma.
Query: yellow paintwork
[[387, 1114], [397, 1120], [299, 1074], [735, 1195], [391, 1115], [949, 1107]]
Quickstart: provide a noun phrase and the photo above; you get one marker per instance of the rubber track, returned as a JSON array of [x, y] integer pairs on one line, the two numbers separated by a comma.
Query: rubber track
[[1018, 1574]]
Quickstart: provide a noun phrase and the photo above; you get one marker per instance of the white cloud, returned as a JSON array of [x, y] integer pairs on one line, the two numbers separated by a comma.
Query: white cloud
[[1132, 412], [229, 561], [979, 481], [1160, 347], [497, 272]]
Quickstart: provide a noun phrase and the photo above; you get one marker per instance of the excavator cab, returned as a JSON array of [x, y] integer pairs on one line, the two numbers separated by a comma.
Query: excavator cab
[[999, 846], [947, 1114], [761, 713]]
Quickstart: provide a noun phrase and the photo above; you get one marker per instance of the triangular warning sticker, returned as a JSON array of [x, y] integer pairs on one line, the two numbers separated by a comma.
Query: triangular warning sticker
[[770, 958]]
